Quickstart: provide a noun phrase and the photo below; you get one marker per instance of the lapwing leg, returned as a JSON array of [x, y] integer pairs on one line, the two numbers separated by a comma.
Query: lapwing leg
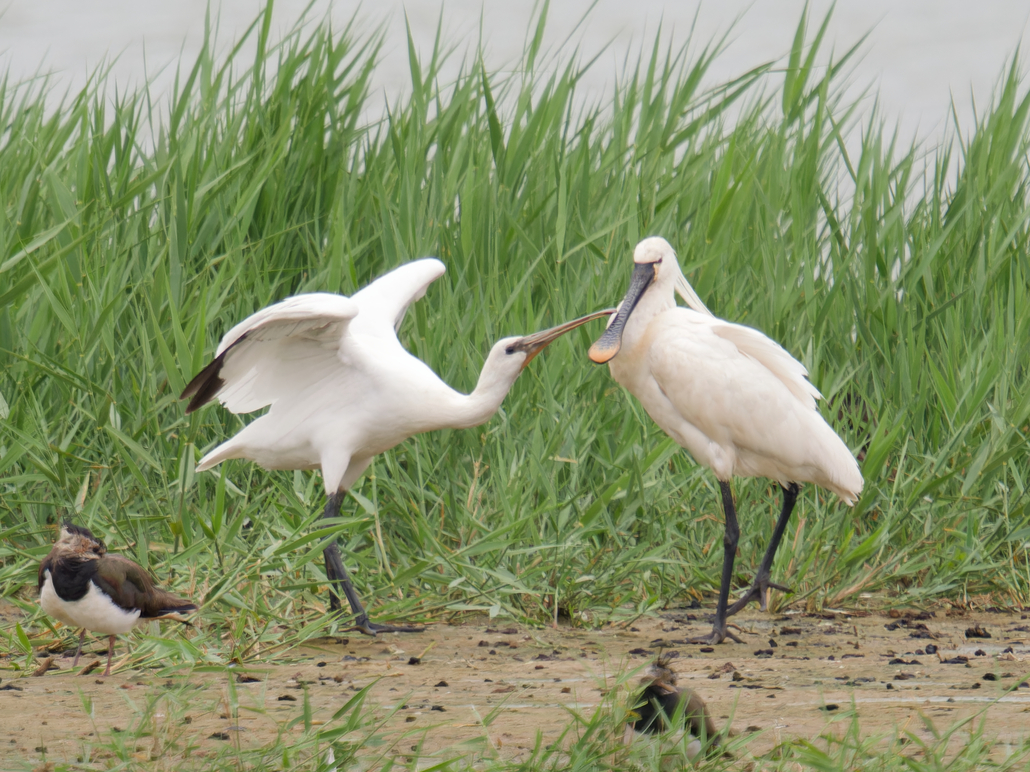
[[338, 576], [78, 651], [759, 589], [110, 654], [720, 630]]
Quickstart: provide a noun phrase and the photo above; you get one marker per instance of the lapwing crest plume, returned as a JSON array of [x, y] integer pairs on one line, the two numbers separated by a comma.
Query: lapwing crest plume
[[81, 585], [661, 706]]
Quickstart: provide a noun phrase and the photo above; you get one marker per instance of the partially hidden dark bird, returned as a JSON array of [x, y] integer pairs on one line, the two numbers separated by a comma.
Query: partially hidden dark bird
[[81, 585], [661, 701]]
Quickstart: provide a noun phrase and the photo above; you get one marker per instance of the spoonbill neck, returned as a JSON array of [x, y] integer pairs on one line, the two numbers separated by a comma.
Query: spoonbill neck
[[507, 359], [479, 406]]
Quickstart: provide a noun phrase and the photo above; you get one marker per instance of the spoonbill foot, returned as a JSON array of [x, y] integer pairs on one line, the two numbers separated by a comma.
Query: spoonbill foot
[[340, 583], [759, 591], [717, 636], [368, 627]]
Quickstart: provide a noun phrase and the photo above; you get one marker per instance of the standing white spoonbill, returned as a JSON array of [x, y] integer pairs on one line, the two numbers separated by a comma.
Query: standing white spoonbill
[[731, 396], [342, 389]]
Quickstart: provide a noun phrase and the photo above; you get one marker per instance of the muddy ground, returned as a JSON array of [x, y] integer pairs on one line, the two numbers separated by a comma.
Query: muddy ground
[[782, 683]]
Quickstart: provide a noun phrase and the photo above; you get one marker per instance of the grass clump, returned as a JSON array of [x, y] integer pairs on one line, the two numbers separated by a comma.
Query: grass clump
[[133, 234]]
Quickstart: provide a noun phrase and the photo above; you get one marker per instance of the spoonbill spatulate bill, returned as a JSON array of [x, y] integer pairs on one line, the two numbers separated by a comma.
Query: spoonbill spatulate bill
[[728, 394], [341, 389], [82, 585]]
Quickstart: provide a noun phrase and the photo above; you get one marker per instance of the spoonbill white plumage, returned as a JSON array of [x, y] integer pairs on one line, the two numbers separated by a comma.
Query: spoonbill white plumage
[[342, 389], [731, 396]]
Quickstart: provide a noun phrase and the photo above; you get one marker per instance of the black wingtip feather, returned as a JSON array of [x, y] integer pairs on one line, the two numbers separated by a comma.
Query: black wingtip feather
[[205, 385]]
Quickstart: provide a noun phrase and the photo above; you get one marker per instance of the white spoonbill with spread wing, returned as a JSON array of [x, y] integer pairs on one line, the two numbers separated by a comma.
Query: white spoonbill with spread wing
[[731, 396], [342, 389]]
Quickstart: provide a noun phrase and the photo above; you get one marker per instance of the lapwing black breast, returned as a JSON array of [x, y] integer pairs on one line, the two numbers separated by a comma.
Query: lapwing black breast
[[81, 585]]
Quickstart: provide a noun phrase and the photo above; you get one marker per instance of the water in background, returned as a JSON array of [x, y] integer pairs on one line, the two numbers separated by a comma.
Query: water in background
[[919, 55]]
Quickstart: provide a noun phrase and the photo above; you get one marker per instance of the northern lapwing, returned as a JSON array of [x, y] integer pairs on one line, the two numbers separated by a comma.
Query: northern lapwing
[[83, 586], [661, 702]]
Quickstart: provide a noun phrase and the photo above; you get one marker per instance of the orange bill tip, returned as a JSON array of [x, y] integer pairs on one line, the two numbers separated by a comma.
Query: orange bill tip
[[603, 350]]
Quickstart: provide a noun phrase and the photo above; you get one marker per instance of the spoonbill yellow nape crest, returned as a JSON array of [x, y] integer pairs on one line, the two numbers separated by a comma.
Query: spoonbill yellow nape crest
[[731, 396], [81, 585], [342, 389]]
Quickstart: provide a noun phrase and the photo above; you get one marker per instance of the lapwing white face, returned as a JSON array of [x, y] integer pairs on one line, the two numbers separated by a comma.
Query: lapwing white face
[[75, 540]]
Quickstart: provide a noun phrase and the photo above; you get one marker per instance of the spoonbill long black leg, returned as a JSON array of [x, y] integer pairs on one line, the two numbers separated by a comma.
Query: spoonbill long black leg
[[759, 589], [730, 537], [340, 579]]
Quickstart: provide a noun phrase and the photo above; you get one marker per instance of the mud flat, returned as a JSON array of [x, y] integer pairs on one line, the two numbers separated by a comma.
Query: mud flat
[[498, 687]]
